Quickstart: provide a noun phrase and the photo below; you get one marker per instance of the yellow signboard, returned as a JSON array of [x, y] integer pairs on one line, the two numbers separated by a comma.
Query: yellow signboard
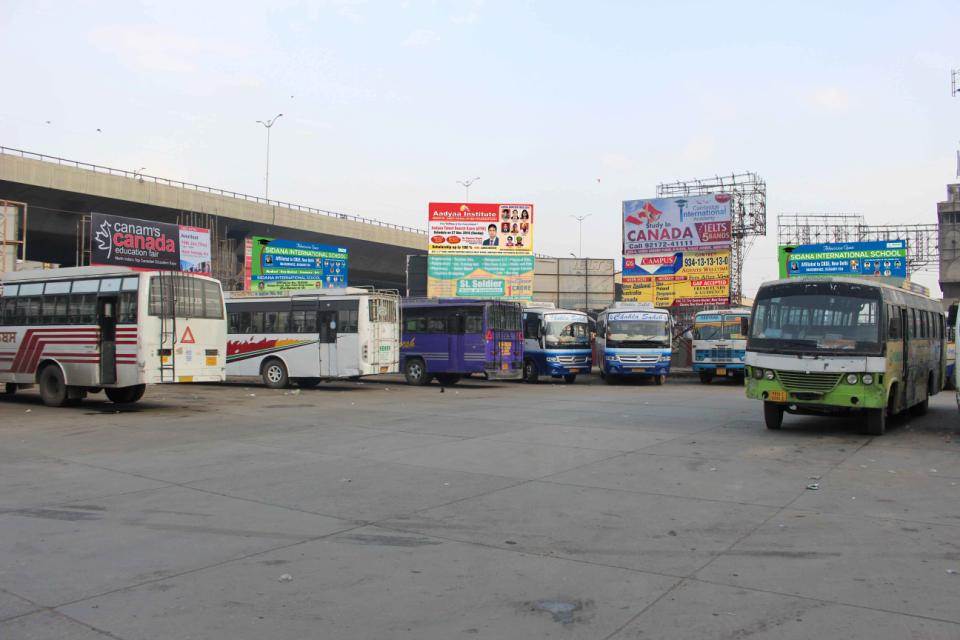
[[681, 279]]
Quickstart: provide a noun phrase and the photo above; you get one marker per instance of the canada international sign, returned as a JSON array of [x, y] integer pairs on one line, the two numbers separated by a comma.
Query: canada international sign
[[661, 225], [680, 279]]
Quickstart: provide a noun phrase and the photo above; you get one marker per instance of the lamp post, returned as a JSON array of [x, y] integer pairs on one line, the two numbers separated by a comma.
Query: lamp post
[[466, 185], [268, 124], [580, 220]]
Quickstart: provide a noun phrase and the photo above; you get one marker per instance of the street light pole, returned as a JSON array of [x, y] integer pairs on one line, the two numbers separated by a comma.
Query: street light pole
[[266, 182], [466, 185], [580, 220]]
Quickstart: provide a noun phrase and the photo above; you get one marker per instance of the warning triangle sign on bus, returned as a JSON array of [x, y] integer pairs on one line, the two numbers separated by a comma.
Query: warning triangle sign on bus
[[188, 337]]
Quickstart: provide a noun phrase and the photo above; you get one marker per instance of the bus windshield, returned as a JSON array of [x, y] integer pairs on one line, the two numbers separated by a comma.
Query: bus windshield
[[566, 331], [726, 329], [638, 333], [829, 317]]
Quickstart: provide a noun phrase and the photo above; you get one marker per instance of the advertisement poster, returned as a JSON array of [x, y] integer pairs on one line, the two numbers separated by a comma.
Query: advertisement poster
[[680, 279], [659, 225], [462, 276], [886, 259], [477, 228], [283, 265], [148, 245]]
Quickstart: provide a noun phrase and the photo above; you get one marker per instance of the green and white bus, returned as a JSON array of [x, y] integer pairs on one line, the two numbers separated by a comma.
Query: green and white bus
[[843, 345]]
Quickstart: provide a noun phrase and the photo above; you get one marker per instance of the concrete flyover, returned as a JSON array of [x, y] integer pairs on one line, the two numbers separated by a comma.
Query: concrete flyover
[[60, 192]]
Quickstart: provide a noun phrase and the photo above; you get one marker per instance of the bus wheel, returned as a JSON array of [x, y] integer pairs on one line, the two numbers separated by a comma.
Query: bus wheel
[[448, 379], [274, 374], [415, 372], [53, 390], [706, 377], [125, 395], [876, 422], [530, 373], [772, 415], [659, 380], [921, 408], [10, 388], [308, 383], [570, 378]]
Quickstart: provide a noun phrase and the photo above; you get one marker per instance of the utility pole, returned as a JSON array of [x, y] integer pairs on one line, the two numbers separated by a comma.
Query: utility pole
[[266, 182], [466, 185], [580, 220]]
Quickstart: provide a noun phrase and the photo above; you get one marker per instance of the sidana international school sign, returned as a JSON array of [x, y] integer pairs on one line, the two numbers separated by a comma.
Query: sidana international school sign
[[661, 225]]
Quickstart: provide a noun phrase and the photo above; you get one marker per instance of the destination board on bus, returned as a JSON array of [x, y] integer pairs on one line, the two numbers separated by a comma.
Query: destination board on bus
[[693, 223], [679, 279], [469, 276], [272, 264], [480, 228]]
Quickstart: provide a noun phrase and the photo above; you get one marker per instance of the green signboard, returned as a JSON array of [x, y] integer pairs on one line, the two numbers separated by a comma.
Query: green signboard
[[504, 277]]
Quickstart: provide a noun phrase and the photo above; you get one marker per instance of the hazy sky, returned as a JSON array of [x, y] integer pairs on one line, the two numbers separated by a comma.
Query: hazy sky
[[840, 106]]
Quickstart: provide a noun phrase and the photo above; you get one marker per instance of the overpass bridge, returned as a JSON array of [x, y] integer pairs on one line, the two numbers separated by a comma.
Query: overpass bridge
[[60, 194]]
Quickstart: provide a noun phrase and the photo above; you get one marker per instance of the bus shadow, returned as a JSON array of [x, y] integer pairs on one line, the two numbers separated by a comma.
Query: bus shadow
[[937, 422]]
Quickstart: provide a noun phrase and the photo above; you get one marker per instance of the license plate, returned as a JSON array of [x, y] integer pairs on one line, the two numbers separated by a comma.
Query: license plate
[[505, 366], [721, 371], [384, 369], [778, 396]]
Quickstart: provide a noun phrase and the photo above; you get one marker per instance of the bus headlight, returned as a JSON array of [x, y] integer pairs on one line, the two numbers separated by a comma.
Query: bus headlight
[[610, 358], [867, 378], [768, 374], [852, 378], [758, 373], [551, 358]]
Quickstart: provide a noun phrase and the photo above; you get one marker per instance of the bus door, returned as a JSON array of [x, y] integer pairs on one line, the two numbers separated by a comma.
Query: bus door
[[327, 324], [303, 321], [474, 337], [455, 340], [107, 322], [906, 394]]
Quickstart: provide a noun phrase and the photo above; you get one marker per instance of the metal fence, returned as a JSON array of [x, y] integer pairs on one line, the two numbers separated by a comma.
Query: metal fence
[[141, 177]]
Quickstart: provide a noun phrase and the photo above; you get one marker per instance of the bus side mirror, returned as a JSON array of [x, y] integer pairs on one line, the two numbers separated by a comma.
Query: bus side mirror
[[744, 326]]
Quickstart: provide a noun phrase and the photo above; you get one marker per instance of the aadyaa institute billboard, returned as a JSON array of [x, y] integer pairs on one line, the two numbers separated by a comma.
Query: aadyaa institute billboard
[[661, 225], [480, 228]]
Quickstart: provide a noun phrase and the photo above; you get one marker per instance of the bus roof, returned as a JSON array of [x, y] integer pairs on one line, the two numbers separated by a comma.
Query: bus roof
[[736, 311], [302, 293], [436, 302], [888, 291], [63, 272], [550, 311]]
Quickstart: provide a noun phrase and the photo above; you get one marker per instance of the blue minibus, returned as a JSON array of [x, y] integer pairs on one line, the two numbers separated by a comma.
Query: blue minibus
[[634, 341], [556, 343]]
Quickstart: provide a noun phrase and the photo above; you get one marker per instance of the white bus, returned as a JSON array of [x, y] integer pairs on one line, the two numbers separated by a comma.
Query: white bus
[[80, 330], [720, 343], [309, 336]]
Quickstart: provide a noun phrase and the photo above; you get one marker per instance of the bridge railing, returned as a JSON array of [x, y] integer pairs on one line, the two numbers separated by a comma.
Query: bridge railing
[[142, 177]]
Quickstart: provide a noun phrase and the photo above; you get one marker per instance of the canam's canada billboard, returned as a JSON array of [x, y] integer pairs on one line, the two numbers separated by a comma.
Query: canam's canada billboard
[[480, 228], [660, 225], [148, 245]]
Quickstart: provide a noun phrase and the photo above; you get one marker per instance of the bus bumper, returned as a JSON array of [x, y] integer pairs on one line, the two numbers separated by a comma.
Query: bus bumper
[[618, 369], [730, 368], [512, 372], [842, 397]]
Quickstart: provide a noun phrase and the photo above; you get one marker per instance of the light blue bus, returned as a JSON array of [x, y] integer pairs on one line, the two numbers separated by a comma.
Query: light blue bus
[[556, 343], [634, 341], [720, 343]]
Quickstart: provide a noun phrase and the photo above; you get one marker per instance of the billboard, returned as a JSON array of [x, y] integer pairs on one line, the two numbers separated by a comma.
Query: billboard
[[679, 279], [478, 228], [660, 225], [465, 276], [886, 259], [272, 264], [148, 245]]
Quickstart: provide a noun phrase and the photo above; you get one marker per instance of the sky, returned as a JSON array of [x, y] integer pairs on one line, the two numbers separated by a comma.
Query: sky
[[840, 107]]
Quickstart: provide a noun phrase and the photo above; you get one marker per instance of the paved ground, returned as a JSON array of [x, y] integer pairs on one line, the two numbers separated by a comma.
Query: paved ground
[[496, 511]]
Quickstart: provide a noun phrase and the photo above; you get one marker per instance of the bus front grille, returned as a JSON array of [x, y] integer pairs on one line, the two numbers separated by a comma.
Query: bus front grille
[[815, 382]]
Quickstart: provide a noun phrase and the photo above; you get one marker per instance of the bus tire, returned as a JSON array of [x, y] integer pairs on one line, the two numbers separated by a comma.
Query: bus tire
[[772, 415], [53, 389], [274, 374], [448, 379], [706, 377], [923, 406], [530, 373], [125, 395], [10, 388], [308, 383], [570, 378], [415, 371], [659, 380], [876, 422]]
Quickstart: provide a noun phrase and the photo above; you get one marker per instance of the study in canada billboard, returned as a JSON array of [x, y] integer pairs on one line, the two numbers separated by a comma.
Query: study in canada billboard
[[679, 279], [465, 276], [660, 225], [272, 264], [480, 228], [148, 245]]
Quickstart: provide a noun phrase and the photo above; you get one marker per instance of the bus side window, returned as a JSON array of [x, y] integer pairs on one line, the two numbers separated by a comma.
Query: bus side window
[[233, 322], [893, 323], [414, 322], [256, 322], [531, 329], [6, 311], [474, 320], [347, 320], [128, 307], [283, 322], [437, 320], [33, 310]]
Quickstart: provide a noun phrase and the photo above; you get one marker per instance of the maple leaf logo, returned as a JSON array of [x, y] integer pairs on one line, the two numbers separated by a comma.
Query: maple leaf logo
[[102, 238]]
